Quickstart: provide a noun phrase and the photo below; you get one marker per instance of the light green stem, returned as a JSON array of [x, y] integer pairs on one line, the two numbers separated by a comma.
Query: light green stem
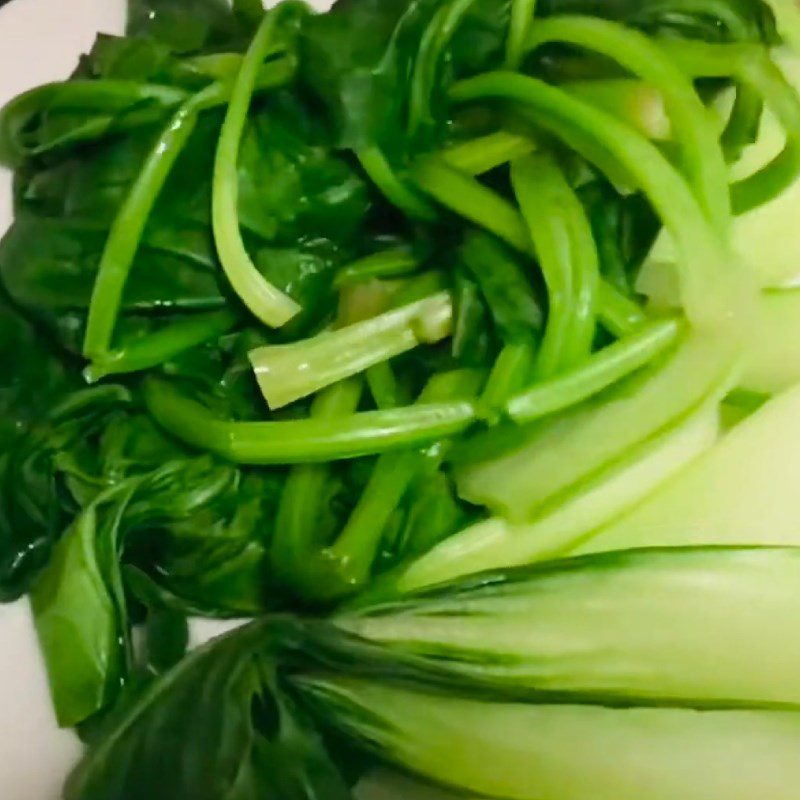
[[129, 223], [288, 372], [541, 192], [521, 22], [434, 42], [477, 156], [751, 66], [385, 264], [567, 254], [162, 345], [265, 301], [466, 196], [602, 370], [511, 371], [618, 314], [296, 538], [396, 191], [304, 441], [469, 198]]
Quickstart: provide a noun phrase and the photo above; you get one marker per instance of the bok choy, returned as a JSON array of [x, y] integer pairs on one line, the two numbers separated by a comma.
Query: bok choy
[[448, 343]]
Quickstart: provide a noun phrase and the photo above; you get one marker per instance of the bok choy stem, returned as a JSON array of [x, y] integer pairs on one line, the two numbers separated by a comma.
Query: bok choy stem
[[787, 17]]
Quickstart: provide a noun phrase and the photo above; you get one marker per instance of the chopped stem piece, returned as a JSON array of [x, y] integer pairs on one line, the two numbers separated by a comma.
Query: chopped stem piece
[[288, 372]]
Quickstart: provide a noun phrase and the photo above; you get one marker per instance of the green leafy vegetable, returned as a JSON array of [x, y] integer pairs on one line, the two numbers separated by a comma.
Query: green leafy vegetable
[[515, 282], [217, 726], [264, 300]]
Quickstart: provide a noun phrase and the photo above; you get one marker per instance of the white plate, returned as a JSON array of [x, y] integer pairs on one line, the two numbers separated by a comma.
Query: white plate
[[40, 41]]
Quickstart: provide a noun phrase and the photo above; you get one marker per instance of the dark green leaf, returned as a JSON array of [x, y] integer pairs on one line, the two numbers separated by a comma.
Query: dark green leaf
[[358, 59], [217, 727], [291, 184], [49, 266], [183, 25], [32, 374], [124, 58], [167, 639], [45, 476], [59, 117], [508, 291], [80, 614]]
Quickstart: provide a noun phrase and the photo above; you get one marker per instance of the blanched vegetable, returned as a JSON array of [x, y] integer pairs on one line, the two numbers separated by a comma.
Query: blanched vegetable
[[703, 627], [497, 543], [287, 373], [394, 295], [764, 237], [567, 752], [561, 453], [742, 491], [268, 303]]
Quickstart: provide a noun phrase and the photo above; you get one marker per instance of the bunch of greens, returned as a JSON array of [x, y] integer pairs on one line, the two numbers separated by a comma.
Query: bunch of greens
[[307, 309], [587, 678]]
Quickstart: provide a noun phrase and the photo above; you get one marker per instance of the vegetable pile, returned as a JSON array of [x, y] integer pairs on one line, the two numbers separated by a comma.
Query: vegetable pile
[[452, 342]]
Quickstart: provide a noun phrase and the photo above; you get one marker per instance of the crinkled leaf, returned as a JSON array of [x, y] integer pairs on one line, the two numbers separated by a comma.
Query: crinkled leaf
[[45, 474], [183, 25], [217, 727]]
